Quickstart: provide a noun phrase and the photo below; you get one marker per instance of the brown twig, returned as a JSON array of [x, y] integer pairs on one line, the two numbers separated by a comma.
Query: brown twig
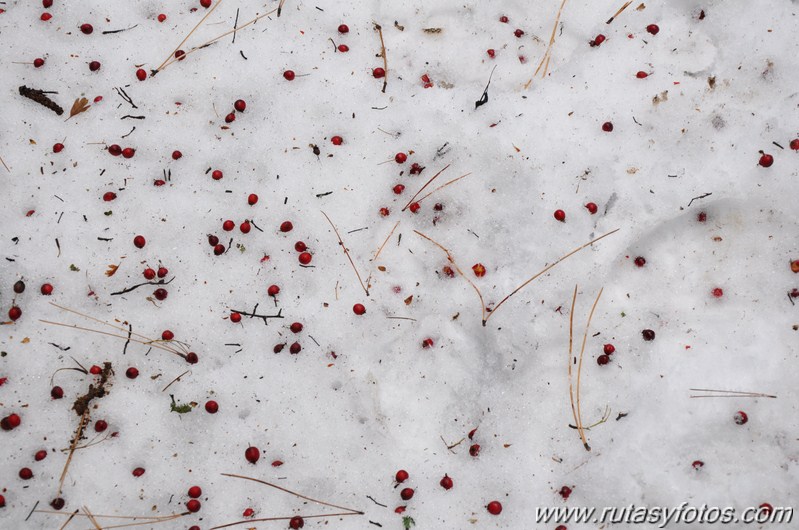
[[452, 260], [91, 518], [40, 97], [379, 250], [4, 164], [280, 7], [434, 177], [84, 419], [617, 13], [287, 518], [69, 519], [571, 360], [548, 55], [200, 23], [729, 393], [133, 288], [347, 253], [580, 370], [175, 379], [522, 286], [379, 29]]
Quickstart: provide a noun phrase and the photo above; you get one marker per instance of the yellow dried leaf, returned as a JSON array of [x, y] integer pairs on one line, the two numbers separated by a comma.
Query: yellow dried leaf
[[25, 340], [381, 268], [112, 269], [80, 105]]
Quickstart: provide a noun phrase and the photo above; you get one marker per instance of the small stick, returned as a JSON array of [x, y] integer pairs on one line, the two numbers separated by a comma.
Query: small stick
[[4, 164], [280, 7], [729, 393], [235, 24], [452, 260], [129, 289], [386, 241], [522, 286], [355, 512], [434, 177], [347, 252], [570, 362], [83, 421], [69, 520], [76, 513], [580, 369], [379, 29], [171, 55], [617, 13], [444, 186], [545, 60], [265, 519], [91, 518], [254, 315], [176, 379]]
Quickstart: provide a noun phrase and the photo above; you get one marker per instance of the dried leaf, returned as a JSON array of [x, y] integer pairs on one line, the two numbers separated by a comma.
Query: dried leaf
[[80, 105], [26, 340], [32, 141], [409, 300], [381, 268], [112, 269]]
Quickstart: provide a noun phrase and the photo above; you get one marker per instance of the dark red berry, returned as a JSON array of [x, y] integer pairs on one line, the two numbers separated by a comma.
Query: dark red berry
[[57, 392], [640, 261], [415, 207], [740, 417], [591, 207], [296, 522], [114, 150], [794, 144], [401, 476], [161, 17], [766, 160], [205, 3], [697, 464], [609, 348], [653, 29], [213, 240], [240, 105], [57, 503], [378, 73], [10, 422], [211, 407], [305, 258], [278, 348], [40, 455], [273, 290], [100, 425], [565, 492], [474, 450], [245, 227], [19, 287], [149, 274], [219, 250], [132, 373], [519, 33], [299, 246], [491, 52], [384, 212], [94, 66], [46, 289], [398, 189], [228, 225], [718, 292], [343, 28], [176, 155], [14, 313], [47, 4], [57, 148], [86, 29], [504, 19], [38, 62], [286, 226], [406, 494], [25, 473], [701, 217], [252, 454], [217, 175], [288, 75], [195, 492], [603, 359], [358, 309], [648, 335], [607, 126], [598, 40], [230, 118], [160, 294], [560, 215], [296, 327], [109, 196], [95, 370], [446, 482], [193, 506], [400, 158], [295, 348], [494, 507], [139, 471], [192, 358], [162, 272], [128, 152]]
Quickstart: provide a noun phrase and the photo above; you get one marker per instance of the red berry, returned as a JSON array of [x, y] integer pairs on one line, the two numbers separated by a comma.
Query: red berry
[[343, 28], [653, 29], [25, 473], [139, 241], [252, 454], [160, 294], [560, 215], [47, 4], [401, 476], [57, 503], [565, 492], [640, 261], [46, 16], [94, 66], [295, 348], [278, 348], [57, 148], [139, 471], [193, 505], [100, 425], [19, 287], [296, 522], [109, 196], [519, 33], [162, 272], [192, 358], [245, 227], [38, 62], [416, 169], [161, 17], [176, 155], [503, 19], [384, 212], [249, 512], [446, 482], [701, 217], [230, 118], [795, 266], [217, 175], [305, 258], [295, 327], [141, 74], [10, 422], [14, 313], [474, 450], [273, 290], [400, 158], [609, 348], [128, 152], [286, 226], [158, 182], [641, 74], [149, 273], [447, 270], [228, 225], [406, 494], [57, 392], [343, 48], [765, 509], [337, 140], [95, 370], [205, 3], [607, 126], [479, 270], [132, 373], [240, 105], [299, 246], [427, 343], [219, 250], [288, 75], [195, 492], [697, 464], [358, 309], [46, 289], [415, 207], [648, 335], [252, 199], [40, 455], [591, 207], [718, 292], [740, 417], [86, 29], [399, 188], [491, 53], [494, 507], [603, 359], [794, 144], [378, 73], [211, 407], [213, 240], [235, 317], [114, 150], [598, 40], [766, 160]]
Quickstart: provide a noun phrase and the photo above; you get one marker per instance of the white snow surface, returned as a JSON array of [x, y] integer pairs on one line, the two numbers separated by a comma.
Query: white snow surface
[[344, 423]]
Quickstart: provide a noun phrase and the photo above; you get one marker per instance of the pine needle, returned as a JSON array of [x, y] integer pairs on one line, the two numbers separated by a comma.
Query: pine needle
[[543, 66], [580, 371], [434, 177], [200, 23], [379, 250], [83, 421], [347, 253]]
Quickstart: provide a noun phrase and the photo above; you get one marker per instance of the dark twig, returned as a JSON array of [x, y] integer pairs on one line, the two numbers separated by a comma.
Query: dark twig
[[235, 25], [109, 32], [699, 197], [133, 288], [262, 317], [39, 97], [484, 98], [130, 333], [374, 501]]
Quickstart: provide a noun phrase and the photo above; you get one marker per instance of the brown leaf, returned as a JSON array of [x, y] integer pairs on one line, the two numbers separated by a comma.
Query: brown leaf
[[26, 340], [409, 300], [112, 269], [381, 268], [80, 105]]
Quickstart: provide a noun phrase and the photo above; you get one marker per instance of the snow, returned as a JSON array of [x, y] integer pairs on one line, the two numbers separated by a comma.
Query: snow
[[364, 398]]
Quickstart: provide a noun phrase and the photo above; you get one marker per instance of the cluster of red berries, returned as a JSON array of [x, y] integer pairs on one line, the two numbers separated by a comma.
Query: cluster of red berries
[[239, 105], [343, 29], [604, 358], [14, 313], [150, 274], [560, 215], [406, 494], [295, 347], [116, 150], [194, 505]]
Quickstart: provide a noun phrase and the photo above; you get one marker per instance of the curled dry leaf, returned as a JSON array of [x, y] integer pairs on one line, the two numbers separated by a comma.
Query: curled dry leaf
[[80, 105], [409, 300], [112, 269]]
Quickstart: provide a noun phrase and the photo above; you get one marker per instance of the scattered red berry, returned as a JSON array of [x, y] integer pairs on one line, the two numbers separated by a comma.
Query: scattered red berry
[[205, 3], [14, 313], [795, 266], [193, 506], [40, 455], [565, 492], [195, 492], [162, 272], [398, 189], [406, 494], [343, 48], [192, 358], [415, 207], [141, 74], [299, 246], [94, 66], [128, 152], [219, 250], [479, 270], [235, 317], [161, 17], [765, 509], [794, 144], [38, 62], [697, 464], [139, 471], [609, 349], [252, 454], [766, 160], [95, 370], [57, 148], [358, 309], [86, 29], [160, 294], [701, 217], [648, 335], [213, 240], [384, 212], [252, 199], [446, 482], [401, 476], [494, 507], [249, 512], [603, 359], [100, 425], [378, 73], [491, 53], [47, 4], [230, 118], [288, 75], [132, 373], [295, 348], [519, 33], [57, 392], [217, 174], [296, 327], [305, 258], [598, 40], [46, 289], [337, 140], [343, 28], [25, 473], [240, 105], [109, 196], [740, 417], [10, 422], [45, 17], [653, 29], [560, 215], [641, 74], [286, 226], [114, 150], [273, 290], [400, 158], [211, 407], [228, 225], [474, 450], [607, 126], [503, 19], [245, 227], [427, 343], [296, 522], [176, 155], [149, 274], [57, 503], [640, 261], [718, 292]]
